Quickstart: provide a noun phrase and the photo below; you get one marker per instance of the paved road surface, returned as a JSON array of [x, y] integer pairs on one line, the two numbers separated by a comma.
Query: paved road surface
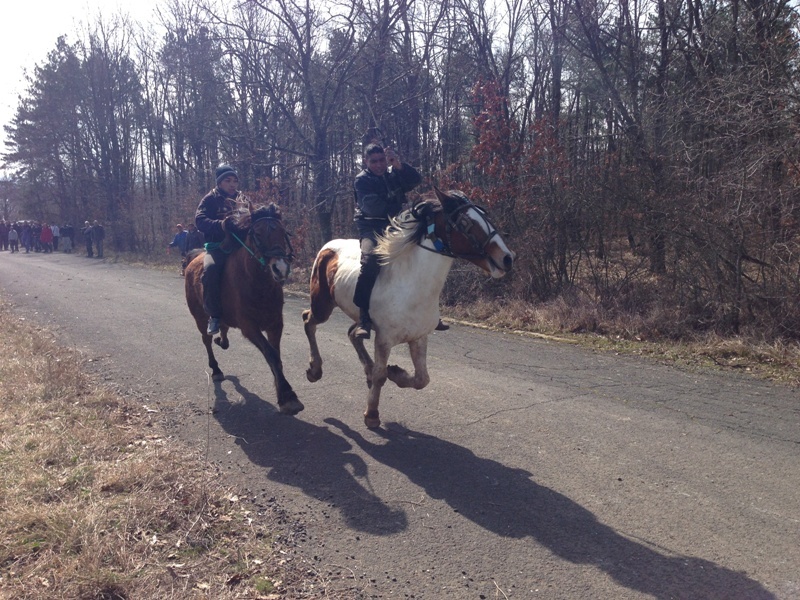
[[526, 469]]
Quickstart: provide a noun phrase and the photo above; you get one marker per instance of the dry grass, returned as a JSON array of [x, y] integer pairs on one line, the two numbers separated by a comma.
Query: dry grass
[[584, 323], [96, 503]]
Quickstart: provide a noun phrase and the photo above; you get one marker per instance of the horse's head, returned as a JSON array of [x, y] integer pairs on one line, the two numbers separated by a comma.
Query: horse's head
[[465, 231], [270, 240]]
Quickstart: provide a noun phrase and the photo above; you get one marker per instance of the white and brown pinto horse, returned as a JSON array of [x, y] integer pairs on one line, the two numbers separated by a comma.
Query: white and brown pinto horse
[[417, 253]]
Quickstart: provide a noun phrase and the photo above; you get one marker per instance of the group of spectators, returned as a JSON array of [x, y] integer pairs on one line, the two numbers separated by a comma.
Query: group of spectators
[[45, 237], [35, 236]]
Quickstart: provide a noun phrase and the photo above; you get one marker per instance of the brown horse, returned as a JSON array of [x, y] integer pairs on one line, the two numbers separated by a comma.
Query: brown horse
[[252, 294]]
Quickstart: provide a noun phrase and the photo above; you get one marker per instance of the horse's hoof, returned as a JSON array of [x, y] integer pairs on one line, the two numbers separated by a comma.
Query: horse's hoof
[[291, 407], [372, 421], [218, 376], [395, 373], [313, 374]]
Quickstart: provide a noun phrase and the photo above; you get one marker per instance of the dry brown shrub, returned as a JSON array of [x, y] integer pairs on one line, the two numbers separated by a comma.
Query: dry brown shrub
[[96, 502]]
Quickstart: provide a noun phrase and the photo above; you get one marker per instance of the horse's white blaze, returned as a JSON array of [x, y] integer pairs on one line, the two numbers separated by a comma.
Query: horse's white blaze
[[496, 249], [280, 269]]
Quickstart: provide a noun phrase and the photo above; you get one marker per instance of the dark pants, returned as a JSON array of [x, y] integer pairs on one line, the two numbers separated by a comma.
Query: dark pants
[[89, 252], [370, 267], [213, 263]]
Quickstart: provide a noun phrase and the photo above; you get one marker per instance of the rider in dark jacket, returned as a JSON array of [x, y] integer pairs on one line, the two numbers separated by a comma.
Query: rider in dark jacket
[[212, 211], [380, 193]]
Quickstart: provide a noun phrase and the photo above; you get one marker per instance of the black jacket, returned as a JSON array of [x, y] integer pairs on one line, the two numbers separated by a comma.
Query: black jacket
[[212, 210], [194, 239], [379, 198]]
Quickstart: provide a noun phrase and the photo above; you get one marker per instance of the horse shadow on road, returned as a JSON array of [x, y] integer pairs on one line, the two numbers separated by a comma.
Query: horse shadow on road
[[302, 455], [507, 502]]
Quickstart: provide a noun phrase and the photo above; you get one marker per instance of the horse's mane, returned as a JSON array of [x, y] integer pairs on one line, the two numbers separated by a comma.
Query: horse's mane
[[406, 230], [270, 211]]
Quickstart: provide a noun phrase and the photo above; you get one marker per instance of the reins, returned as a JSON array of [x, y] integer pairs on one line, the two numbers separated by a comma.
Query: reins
[[275, 252]]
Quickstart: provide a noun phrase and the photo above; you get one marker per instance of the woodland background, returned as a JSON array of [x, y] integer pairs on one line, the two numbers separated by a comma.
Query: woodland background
[[642, 155]]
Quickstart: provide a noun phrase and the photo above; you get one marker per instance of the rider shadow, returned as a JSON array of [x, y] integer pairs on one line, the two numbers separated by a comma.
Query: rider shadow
[[518, 507], [305, 456]]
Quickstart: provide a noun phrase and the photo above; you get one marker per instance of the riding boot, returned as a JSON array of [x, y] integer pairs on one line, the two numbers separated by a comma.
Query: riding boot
[[364, 325]]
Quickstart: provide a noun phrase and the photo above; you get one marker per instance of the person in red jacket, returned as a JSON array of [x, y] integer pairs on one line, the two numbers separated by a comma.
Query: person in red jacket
[[46, 238]]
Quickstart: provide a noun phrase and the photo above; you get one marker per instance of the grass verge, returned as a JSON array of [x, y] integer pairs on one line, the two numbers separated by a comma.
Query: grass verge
[[97, 503]]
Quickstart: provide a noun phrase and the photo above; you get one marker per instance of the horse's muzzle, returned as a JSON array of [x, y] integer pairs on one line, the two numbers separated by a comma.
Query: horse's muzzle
[[508, 261], [280, 268], [500, 262]]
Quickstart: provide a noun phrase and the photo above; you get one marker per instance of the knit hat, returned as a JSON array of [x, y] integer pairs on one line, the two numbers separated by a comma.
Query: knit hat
[[224, 171]]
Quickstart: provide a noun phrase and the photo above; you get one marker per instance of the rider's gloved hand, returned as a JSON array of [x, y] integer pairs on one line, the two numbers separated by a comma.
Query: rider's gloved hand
[[231, 226]]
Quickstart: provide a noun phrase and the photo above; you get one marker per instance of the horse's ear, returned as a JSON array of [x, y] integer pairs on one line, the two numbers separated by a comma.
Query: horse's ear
[[421, 210], [250, 206], [439, 194]]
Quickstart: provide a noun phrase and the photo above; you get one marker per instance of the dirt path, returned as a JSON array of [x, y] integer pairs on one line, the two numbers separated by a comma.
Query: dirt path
[[526, 469]]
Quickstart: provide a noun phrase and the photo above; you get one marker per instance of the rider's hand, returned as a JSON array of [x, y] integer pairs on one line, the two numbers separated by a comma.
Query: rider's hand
[[229, 224], [392, 158]]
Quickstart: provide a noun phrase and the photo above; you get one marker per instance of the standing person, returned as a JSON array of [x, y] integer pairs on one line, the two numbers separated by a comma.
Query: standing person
[[46, 238], [87, 238], [4, 239], [13, 240], [27, 237], [36, 236], [56, 235], [380, 192], [67, 232], [194, 238], [98, 235], [179, 242], [215, 207]]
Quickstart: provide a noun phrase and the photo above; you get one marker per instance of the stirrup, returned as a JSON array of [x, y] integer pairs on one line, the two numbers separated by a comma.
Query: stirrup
[[364, 328]]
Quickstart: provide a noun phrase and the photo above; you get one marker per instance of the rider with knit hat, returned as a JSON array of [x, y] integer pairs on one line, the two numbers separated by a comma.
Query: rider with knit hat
[[214, 208]]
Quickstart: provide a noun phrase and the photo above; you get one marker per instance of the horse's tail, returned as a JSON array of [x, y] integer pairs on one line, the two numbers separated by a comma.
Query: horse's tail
[[322, 301]]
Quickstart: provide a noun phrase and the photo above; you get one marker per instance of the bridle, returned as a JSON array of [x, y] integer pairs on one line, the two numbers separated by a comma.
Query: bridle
[[275, 251], [458, 221]]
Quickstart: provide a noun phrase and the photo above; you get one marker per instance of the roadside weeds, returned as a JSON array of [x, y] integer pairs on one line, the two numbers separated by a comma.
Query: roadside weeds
[[98, 503]]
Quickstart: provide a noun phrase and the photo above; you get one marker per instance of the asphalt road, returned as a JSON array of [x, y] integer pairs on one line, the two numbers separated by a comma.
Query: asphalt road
[[526, 469]]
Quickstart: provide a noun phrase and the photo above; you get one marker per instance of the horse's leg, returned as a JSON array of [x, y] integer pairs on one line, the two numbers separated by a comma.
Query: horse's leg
[[314, 371], [288, 403], [371, 416], [419, 353], [222, 339], [322, 305], [363, 355], [216, 373], [274, 338]]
